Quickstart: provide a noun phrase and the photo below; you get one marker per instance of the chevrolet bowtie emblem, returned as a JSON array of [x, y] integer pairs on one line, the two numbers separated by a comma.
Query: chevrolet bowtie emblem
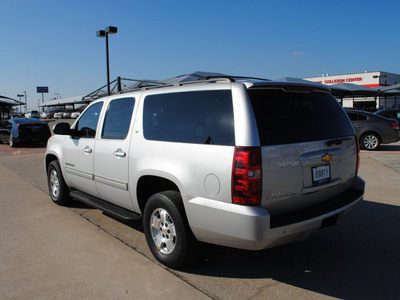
[[327, 157]]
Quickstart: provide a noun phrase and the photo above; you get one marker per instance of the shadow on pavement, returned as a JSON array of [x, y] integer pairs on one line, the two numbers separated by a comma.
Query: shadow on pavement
[[355, 260]]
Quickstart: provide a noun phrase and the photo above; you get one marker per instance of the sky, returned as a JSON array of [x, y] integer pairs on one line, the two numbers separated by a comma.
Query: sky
[[53, 43]]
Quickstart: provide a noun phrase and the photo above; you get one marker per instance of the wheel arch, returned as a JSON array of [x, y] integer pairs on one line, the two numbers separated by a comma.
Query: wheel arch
[[48, 159], [149, 185]]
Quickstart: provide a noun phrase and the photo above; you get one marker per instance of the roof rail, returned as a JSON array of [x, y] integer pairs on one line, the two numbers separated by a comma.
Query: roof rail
[[234, 78], [119, 87]]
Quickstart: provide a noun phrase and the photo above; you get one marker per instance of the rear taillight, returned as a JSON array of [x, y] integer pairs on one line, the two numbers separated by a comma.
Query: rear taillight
[[394, 125], [247, 176]]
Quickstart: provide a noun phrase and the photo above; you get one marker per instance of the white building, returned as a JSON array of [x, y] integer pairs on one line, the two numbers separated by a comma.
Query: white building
[[367, 79]]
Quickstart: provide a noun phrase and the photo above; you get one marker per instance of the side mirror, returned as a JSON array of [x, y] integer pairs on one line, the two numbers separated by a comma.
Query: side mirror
[[62, 129]]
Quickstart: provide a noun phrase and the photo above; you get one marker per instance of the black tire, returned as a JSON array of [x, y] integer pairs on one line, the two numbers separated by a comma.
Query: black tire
[[167, 230], [58, 189], [370, 141]]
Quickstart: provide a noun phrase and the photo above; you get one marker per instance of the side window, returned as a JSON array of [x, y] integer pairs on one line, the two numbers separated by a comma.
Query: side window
[[386, 114], [118, 118], [87, 124], [352, 117], [362, 118], [202, 117]]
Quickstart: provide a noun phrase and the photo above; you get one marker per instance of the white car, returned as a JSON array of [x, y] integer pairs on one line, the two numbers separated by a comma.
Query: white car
[[75, 115], [58, 115], [32, 114]]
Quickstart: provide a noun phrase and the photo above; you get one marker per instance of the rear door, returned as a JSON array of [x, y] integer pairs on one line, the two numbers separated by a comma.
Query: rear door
[[309, 151]]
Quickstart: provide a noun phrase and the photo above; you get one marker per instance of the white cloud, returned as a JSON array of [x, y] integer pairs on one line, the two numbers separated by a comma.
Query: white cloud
[[297, 53]]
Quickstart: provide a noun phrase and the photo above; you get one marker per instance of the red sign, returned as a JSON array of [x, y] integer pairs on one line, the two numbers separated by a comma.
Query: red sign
[[340, 80]]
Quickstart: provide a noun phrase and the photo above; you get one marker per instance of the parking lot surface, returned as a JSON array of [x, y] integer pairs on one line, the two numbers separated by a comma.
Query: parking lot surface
[[47, 251]]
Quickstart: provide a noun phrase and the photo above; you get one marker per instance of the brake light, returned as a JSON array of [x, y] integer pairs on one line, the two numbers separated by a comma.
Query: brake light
[[394, 125], [247, 176]]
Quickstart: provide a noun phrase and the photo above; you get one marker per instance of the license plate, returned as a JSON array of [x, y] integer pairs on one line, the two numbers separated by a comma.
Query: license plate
[[321, 174]]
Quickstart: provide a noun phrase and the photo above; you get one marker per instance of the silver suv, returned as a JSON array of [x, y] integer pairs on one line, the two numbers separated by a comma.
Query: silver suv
[[237, 162]]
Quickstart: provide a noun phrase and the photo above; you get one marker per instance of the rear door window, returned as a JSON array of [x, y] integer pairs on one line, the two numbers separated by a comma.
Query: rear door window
[[292, 117], [201, 117]]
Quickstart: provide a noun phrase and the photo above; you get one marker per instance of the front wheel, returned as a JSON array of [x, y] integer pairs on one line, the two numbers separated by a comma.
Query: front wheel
[[58, 189], [167, 230], [370, 141]]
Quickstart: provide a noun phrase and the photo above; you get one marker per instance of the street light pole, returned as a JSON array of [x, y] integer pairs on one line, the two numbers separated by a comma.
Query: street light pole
[[105, 33], [20, 103]]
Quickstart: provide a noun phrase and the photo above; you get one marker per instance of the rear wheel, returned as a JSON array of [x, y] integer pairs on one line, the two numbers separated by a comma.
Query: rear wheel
[[167, 230], [58, 189], [370, 141]]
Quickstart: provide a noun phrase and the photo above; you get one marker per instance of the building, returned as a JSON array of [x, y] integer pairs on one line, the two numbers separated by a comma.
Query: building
[[367, 79]]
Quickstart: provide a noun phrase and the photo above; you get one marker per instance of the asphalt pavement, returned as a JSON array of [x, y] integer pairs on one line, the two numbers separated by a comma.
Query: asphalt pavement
[[53, 252]]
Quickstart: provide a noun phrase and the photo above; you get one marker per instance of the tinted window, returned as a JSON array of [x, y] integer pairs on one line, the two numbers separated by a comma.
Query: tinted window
[[352, 117], [118, 118], [362, 117], [288, 117], [87, 124], [204, 117]]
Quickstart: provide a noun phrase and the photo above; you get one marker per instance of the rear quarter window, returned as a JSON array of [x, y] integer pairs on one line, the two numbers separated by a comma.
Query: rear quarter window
[[201, 117], [289, 117]]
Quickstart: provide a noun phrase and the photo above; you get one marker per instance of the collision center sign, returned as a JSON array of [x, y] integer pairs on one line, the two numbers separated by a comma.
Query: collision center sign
[[340, 80]]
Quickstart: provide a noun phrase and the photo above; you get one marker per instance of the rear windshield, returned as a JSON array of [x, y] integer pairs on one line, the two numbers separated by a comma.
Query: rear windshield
[[289, 117]]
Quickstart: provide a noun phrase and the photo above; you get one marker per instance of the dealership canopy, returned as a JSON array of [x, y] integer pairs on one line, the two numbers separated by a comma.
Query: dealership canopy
[[6, 101]]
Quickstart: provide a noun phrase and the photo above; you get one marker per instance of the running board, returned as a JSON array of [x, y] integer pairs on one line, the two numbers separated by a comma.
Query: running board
[[105, 206]]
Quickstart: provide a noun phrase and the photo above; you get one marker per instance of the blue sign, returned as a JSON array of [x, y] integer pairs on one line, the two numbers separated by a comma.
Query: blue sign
[[42, 89]]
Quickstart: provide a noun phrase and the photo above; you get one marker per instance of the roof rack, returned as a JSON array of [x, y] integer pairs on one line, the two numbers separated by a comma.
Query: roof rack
[[234, 78], [119, 87]]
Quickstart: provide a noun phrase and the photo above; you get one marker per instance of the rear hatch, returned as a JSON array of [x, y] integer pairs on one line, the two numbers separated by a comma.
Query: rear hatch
[[308, 146], [34, 130]]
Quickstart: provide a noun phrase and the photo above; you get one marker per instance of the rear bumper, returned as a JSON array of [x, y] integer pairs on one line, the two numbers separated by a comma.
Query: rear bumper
[[253, 228], [33, 138]]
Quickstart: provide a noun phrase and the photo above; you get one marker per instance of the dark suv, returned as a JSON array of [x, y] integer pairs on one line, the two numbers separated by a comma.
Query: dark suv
[[373, 130]]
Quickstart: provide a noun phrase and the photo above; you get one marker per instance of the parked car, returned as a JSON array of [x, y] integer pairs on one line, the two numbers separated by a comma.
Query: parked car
[[392, 113], [58, 115], [66, 115], [32, 114], [75, 114], [237, 162], [43, 115], [50, 115], [24, 130], [373, 130]]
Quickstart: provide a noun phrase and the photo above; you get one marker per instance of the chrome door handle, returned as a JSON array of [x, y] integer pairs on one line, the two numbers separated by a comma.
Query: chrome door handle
[[87, 149], [119, 153]]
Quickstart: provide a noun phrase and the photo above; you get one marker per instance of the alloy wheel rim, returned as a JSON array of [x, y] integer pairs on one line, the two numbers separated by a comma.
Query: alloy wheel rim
[[163, 231], [370, 142], [54, 184]]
